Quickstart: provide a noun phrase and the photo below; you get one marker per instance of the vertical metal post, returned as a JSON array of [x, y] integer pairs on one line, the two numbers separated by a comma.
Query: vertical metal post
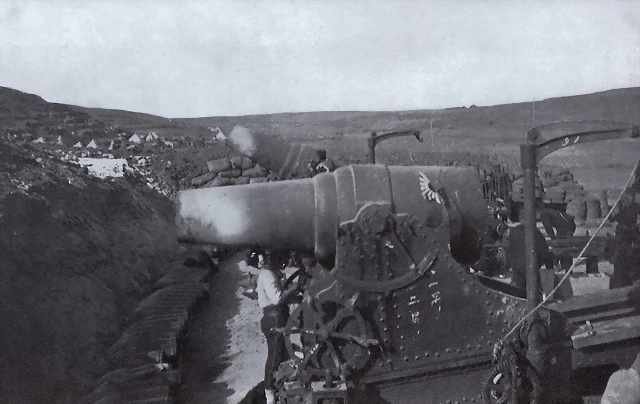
[[433, 147], [535, 352], [372, 148], [529, 169]]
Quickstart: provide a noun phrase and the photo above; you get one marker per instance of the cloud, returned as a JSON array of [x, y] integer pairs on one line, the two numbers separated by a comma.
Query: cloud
[[230, 57]]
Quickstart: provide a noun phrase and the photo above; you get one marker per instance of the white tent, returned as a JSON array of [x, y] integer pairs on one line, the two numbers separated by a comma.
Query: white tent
[[135, 138], [39, 140], [111, 145], [92, 144], [60, 140], [151, 137], [218, 135], [77, 144]]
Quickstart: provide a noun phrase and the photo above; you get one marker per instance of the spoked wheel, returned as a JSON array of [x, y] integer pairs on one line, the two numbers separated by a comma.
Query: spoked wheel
[[328, 338]]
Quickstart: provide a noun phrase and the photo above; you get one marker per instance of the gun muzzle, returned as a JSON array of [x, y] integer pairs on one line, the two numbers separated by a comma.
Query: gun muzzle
[[305, 214], [287, 160]]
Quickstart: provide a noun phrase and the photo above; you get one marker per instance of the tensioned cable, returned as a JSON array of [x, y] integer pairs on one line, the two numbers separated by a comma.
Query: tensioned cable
[[570, 270]]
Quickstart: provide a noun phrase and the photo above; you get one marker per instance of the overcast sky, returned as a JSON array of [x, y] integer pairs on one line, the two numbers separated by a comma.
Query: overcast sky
[[208, 58]]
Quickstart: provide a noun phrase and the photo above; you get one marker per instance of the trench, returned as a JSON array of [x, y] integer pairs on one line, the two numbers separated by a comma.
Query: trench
[[224, 350]]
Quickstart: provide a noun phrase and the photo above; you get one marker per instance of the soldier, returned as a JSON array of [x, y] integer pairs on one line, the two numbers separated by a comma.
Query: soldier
[[322, 164], [563, 223], [627, 216], [273, 301]]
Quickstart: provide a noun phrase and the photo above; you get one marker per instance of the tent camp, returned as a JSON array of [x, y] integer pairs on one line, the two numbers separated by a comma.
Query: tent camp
[[152, 136], [79, 144], [92, 144], [135, 138]]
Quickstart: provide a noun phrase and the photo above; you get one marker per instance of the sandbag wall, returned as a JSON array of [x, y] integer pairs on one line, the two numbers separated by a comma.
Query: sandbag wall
[[144, 361], [559, 186], [232, 171]]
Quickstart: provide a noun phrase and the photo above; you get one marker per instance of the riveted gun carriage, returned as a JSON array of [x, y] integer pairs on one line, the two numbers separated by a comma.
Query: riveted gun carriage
[[395, 316]]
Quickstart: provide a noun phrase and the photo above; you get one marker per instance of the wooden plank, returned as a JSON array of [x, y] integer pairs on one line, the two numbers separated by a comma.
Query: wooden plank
[[596, 316], [606, 332], [596, 301]]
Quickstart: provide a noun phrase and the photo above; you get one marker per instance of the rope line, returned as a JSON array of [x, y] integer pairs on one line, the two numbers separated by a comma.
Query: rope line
[[570, 270]]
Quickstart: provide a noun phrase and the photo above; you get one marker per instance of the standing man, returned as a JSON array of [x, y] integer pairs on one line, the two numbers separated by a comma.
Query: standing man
[[273, 300], [627, 216]]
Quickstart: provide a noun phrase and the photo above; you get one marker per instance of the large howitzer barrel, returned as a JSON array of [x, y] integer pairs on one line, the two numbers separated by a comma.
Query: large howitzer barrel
[[305, 214], [287, 160]]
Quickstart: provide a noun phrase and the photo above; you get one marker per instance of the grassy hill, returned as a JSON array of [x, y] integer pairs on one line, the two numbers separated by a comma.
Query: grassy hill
[[458, 133], [30, 115], [494, 131]]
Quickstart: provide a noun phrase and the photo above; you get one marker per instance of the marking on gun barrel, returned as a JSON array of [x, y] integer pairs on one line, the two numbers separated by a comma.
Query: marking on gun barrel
[[413, 300], [576, 141], [415, 317], [565, 142]]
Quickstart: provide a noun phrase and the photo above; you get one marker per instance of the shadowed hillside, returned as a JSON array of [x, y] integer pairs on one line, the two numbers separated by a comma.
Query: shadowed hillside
[[30, 116]]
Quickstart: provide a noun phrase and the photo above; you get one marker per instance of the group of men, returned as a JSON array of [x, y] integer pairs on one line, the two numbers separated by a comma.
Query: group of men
[[557, 224]]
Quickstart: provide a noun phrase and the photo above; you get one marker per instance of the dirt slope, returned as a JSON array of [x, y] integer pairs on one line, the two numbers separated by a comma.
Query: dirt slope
[[76, 254]]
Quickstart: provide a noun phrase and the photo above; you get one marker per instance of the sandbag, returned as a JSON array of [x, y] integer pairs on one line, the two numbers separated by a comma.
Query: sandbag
[[242, 163], [216, 166], [593, 209], [569, 185], [219, 182], [574, 194], [255, 172], [578, 209], [233, 173], [241, 180], [518, 189], [549, 182], [203, 179], [555, 194], [257, 180], [567, 176], [604, 202]]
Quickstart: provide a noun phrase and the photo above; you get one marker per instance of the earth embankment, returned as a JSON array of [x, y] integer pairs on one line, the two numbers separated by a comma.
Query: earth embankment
[[76, 254]]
